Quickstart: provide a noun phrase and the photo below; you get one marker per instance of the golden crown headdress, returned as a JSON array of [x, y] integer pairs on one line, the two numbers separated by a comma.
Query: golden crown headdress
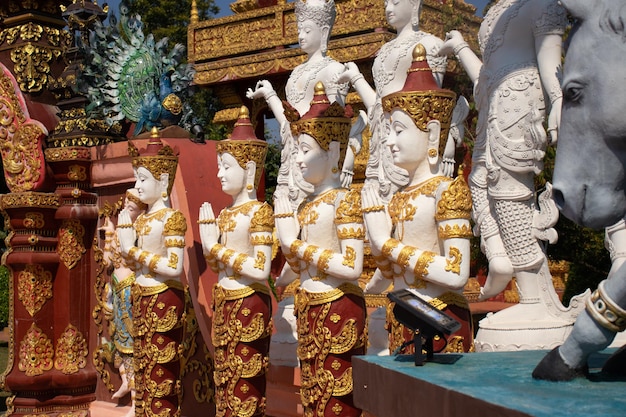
[[422, 99], [244, 146], [324, 122], [322, 12], [156, 158]]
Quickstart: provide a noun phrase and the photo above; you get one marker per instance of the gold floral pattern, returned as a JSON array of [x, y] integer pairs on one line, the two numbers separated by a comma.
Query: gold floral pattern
[[34, 287], [71, 351], [36, 352], [71, 247]]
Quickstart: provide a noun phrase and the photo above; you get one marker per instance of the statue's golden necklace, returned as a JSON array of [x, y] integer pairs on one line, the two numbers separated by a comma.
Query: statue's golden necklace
[[308, 214], [142, 224], [400, 207], [227, 222]]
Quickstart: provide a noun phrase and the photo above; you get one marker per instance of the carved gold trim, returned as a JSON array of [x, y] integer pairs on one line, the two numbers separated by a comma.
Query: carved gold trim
[[71, 247], [34, 288], [71, 351], [36, 352], [29, 199]]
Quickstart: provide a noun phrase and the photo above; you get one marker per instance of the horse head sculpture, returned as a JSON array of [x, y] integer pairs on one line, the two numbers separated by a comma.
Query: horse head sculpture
[[591, 155]]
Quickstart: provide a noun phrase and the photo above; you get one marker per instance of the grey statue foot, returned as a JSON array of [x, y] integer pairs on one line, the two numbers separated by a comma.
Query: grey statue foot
[[616, 363], [553, 368]]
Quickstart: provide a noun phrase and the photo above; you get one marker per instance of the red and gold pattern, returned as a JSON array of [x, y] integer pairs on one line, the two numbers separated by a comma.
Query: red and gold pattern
[[159, 323], [71, 351], [242, 326], [71, 246], [331, 329], [36, 352], [34, 288], [454, 305]]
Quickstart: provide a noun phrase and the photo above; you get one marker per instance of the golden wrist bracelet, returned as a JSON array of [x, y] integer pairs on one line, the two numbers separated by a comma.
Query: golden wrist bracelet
[[389, 246]]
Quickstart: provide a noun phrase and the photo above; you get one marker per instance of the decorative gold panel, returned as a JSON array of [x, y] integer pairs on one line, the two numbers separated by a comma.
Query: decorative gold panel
[[71, 351], [35, 352], [34, 220], [71, 247], [34, 288], [29, 199]]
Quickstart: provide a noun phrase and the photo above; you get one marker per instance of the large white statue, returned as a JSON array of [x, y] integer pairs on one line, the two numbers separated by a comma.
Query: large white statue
[[238, 246], [323, 243], [589, 176], [155, 243], [389, 71], [315, 19], [423, 240], [514, 86]]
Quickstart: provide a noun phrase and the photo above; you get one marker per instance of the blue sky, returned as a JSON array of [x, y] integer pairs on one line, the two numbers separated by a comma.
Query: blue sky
[[225, 10]]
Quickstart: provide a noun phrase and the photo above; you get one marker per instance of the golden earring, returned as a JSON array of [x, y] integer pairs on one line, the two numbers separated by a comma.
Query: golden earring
[[164, 194], [335, 170], [249, 187], [432, 152]]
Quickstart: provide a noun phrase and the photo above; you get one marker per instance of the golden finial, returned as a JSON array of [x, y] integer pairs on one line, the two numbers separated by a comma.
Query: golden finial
[[194, 12], [244, 113], [419, 53], [154, 132], [319, 88]]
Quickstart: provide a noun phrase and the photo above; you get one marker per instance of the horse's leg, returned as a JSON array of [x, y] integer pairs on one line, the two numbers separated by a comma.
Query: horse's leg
[[592, 332]]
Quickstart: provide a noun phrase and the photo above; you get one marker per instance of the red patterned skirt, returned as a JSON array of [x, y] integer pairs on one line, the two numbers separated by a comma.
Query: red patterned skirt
[[331, 329]]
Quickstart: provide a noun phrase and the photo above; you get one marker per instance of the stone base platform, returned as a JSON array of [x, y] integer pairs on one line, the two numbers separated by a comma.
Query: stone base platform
[[494, 384]]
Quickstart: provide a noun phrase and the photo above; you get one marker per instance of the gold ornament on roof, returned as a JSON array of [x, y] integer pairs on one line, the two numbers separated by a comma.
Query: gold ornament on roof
[[156, 158], [244, 146]]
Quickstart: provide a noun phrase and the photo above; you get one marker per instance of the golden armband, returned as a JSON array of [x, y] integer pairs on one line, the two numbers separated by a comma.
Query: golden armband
[[404, 256], [308, 253], [420, 270], [153, 263], [238, 264], [295, 246], [228, 253], [322, 262], [389, 246], [142, 257]]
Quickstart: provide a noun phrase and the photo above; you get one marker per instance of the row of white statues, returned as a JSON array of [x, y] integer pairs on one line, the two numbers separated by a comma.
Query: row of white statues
[[413, 214]]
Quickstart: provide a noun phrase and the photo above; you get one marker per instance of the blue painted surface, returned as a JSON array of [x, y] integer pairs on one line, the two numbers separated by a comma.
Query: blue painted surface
[[504, 378]]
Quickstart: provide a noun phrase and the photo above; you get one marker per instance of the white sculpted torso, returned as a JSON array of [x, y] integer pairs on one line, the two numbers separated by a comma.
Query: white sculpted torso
[[235, 233], [151, 231]]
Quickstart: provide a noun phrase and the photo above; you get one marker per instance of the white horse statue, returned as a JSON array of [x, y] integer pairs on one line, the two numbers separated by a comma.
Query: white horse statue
[[589, 176]]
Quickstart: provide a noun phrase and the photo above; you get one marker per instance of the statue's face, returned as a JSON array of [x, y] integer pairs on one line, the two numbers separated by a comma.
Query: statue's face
[[131, 207], [231, 175], [148, 188], [312, 160], [408, 144], [398, 12], [309, 36]]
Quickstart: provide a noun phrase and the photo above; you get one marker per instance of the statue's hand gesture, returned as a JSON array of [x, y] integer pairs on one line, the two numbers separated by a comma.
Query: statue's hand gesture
[[287, 226], [351, 70], [375, 216], [453, 39], [263, 89], [125, 232], [208, 227]]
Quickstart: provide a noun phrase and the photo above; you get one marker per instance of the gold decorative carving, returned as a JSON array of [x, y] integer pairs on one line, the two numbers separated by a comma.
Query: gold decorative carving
[[34, 288], [77, 173], [71, 351], [19, 140], [33, 220], [29, 199], [71, 247], [35, 352]]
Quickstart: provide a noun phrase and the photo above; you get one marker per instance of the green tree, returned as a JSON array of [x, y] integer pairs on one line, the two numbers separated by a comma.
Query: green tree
[[170, 18]]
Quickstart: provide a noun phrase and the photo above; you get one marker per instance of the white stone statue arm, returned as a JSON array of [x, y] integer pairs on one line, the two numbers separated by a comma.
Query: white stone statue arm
[[287, 227], [352, 75], [378, 283], [549, 50], [286, 277], [126, 234], [455, 136], [255, 267], [377, 221], [209, 234], [264, 89], [455, 44]]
